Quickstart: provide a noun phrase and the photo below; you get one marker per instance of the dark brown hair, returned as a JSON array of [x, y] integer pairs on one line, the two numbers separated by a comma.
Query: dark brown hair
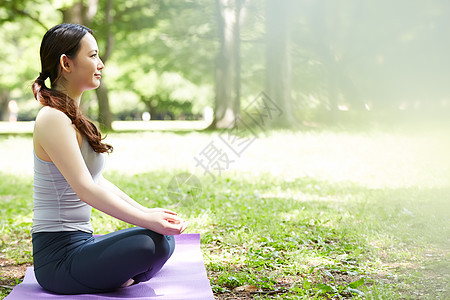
[[64, 39]]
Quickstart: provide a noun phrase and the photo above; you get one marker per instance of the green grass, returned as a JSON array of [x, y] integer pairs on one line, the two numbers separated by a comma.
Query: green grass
[[306, 215]]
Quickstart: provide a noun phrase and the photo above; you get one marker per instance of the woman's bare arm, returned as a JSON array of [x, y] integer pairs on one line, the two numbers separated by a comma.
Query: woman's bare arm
[[55, 134]]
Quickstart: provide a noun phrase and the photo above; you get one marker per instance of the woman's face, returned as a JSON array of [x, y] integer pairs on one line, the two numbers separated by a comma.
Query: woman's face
[[87, 65]]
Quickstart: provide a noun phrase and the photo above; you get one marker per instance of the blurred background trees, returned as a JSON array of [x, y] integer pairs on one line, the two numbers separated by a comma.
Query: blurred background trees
[[318, 61]]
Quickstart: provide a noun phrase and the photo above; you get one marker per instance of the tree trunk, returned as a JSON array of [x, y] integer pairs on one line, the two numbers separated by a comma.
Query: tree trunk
[[225, 108], [237, 56], [278, 61], [4, 101], [79, 13], [104, 111]]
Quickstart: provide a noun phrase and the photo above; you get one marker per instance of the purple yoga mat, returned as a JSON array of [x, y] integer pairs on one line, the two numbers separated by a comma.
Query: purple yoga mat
[[182, 277]]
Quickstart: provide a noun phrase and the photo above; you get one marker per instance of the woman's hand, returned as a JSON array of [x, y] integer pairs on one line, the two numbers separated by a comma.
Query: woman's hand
[[165, 222]]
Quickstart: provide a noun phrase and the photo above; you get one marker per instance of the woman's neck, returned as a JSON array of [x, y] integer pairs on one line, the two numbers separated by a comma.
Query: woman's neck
[[73, 94]]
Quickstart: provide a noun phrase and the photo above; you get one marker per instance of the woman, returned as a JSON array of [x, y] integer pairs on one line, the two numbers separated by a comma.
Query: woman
[[68, 161]]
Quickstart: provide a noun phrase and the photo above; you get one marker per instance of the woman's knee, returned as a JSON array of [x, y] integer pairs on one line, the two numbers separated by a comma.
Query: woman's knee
[[160, 247], [171, 242], [163, 250]]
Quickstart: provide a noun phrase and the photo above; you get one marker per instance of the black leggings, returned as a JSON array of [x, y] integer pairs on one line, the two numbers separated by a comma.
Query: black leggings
[[76, 262]]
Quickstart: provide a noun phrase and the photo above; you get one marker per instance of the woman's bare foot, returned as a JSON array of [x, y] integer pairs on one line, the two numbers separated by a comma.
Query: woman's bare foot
[[128, 283]]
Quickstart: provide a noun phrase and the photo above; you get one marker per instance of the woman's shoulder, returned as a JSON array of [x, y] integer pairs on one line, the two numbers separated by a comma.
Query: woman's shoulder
[[49, 117], [48, 113]]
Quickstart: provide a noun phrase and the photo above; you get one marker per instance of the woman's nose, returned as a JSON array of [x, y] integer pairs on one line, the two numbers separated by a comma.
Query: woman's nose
[[100, 65]]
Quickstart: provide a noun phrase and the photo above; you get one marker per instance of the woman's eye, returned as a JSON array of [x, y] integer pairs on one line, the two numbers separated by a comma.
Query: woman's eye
[[94, 55]]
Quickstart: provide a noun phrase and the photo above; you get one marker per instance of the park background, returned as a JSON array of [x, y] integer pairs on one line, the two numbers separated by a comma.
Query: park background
[[340, 186]]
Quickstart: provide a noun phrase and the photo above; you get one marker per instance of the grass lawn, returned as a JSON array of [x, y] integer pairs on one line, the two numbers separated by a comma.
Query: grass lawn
[[299, 215]]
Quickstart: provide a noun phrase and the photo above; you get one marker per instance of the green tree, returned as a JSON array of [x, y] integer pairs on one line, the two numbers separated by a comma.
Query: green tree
[[158, 42]]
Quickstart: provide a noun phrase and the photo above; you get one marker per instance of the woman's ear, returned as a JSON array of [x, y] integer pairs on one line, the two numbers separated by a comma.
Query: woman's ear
[[66, 63]]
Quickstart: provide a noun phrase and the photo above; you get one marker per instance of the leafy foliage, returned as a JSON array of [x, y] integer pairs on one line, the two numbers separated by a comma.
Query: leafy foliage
[[343, 54]]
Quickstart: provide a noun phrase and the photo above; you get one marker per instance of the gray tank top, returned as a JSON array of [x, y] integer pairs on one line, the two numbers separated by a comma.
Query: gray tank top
[[56, 206]]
